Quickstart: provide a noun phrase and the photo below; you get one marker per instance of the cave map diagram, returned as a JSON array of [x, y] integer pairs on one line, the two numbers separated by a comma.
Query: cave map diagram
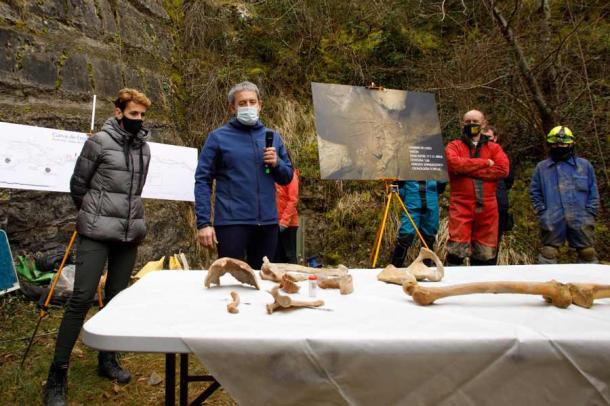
[[37, 158]]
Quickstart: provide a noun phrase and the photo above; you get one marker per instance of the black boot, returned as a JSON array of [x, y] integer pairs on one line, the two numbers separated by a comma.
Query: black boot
[[402, 246], [482, 262], [108, 366], [57, 385], [453, 260]]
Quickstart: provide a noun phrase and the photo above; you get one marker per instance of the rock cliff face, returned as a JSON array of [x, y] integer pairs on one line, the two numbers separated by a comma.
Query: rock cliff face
[[55, 55]]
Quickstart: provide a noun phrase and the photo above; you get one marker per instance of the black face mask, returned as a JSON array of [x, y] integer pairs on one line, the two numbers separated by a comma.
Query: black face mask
[[471, 130], [558, 154], [131, 126]]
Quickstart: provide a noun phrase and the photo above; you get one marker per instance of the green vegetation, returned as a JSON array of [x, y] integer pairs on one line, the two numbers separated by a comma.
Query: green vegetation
[[458, 52], [24, 386]]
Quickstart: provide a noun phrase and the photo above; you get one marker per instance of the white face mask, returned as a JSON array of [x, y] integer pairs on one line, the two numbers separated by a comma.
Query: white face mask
[[247, 115]]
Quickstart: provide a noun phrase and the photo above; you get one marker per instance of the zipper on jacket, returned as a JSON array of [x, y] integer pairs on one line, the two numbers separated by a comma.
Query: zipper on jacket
[[133, 170], [258, 191]]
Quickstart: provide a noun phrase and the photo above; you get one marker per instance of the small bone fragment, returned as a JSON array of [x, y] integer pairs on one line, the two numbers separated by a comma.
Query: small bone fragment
[[239, 269], [583, 294], [284, 302], [232, 307], [288, 284], [345, 284], [273, 272], [391, 274], [423, 272], [558, 294]]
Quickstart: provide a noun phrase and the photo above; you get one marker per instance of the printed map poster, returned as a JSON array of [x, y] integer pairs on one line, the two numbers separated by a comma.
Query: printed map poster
[[370, 134], [37, 158]]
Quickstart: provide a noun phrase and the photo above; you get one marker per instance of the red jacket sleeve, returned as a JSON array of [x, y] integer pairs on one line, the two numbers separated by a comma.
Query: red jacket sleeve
[[292, 200], [500, 168], [461, 165]]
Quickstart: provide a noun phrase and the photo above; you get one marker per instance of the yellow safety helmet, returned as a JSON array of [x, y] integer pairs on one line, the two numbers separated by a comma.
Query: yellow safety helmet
[[560, 135]]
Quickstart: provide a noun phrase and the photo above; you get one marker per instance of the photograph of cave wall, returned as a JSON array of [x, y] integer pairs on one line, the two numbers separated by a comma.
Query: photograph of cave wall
[[367, 133]]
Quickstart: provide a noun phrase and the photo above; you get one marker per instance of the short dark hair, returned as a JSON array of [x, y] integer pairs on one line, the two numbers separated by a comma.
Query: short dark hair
[[491, 128], [127, 95]]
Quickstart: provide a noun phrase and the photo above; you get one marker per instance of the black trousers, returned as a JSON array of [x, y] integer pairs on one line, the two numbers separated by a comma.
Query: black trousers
[[287, 246], [249, 242], [91, 256]]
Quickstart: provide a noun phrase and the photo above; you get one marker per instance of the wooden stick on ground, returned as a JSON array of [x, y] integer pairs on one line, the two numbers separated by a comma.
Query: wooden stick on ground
[[558, 294]]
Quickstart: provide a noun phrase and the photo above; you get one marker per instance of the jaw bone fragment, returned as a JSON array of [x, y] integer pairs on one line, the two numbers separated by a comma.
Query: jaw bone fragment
[[345, 284], [416, 271], [555, 293], [239, 269], [284, 302], [232, 307], [274, 272]]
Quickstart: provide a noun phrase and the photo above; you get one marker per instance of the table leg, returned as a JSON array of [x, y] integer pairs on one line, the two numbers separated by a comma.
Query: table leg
[[170, 379], [184, 379]]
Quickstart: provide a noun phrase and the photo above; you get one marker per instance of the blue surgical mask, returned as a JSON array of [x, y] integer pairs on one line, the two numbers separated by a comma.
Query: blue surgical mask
[[247, 115]]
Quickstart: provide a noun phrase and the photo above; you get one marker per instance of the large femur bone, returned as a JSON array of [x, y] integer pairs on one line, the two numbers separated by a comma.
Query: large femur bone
[[239, 269], [558, 294], [274, 272], [284, 302]]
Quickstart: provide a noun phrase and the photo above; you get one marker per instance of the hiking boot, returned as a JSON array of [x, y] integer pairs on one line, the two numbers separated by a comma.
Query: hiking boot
[[57, 385], [108, 366]]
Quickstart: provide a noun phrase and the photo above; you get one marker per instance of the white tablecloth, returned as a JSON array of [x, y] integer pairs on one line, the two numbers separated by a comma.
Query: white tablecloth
[[375, 346]]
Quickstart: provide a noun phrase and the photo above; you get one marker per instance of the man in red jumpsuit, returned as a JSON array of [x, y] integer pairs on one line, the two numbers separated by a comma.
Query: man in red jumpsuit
[[475, 166]]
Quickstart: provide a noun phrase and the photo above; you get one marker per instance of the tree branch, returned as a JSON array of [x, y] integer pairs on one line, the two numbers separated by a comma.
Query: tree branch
[[547, 115]]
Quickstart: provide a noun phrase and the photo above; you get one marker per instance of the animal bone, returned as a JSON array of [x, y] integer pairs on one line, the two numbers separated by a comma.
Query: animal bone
[[423, 272], [391, 274], [558, 294], [288, 284], [583, 294], [284, 302], [343, 283], [416, 271], [239, 269], [274, 272], [232, 307]]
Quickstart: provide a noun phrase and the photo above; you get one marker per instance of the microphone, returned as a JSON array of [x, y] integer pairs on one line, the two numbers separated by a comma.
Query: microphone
[[268, 144]]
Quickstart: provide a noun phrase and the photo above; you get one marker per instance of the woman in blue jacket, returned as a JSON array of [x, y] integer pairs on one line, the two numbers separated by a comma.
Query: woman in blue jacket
[[245, 169]]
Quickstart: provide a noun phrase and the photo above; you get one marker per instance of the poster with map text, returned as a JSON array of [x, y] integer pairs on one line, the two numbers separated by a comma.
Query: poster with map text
[[36, 158]]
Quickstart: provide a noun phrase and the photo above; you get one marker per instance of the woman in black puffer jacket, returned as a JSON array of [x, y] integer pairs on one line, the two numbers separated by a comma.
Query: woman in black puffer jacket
[[106, 188]]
